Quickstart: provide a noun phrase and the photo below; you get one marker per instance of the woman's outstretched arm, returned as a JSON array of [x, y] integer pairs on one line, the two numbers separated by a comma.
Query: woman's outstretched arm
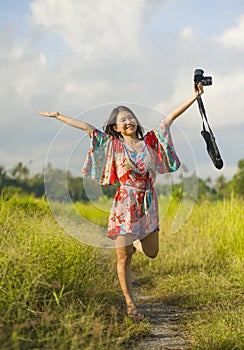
[[70, 121], [184, 106]]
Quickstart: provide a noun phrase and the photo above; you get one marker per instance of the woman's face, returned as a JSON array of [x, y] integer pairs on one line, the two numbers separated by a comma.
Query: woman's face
[[126, 124]]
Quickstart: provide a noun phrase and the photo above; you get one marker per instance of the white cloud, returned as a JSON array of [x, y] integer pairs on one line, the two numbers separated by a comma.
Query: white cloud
[[187, 33], [99, 27], [233, 38], [223, 101], [226, 100]]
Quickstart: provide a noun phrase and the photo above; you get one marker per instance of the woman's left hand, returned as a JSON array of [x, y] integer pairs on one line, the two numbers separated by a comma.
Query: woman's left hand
[[198, 89]]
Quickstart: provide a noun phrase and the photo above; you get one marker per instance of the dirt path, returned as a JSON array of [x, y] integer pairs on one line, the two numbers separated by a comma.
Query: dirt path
[[166, 333]]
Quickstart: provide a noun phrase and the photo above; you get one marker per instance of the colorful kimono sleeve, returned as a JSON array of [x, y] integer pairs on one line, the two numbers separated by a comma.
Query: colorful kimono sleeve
[[159, 139], [100, 161]]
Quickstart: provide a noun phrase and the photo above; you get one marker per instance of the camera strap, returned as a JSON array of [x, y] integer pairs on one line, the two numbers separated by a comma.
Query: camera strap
[[209, 136], [203, 114]]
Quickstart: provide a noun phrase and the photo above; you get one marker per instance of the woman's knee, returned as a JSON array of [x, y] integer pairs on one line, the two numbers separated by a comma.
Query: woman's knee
[[124, 261], [150, 245], [152, 253], [124, 256]]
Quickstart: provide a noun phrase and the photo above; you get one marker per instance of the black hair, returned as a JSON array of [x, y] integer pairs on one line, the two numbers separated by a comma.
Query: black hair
[[109, 125]]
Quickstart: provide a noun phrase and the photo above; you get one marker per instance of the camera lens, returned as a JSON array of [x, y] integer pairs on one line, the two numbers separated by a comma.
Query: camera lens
[[207, 81]]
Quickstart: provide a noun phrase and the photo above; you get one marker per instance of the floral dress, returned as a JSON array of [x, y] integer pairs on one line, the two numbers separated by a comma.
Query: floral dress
[[111, 161]]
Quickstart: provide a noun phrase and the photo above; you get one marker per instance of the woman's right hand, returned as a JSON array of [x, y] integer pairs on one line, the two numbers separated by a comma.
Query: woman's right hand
[[70, 121], [48, 114]]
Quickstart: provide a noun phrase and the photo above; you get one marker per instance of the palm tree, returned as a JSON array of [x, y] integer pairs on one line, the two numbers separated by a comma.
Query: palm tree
[[20, 172]]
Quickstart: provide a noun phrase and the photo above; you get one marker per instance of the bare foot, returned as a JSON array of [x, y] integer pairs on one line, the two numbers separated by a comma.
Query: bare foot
[[134, 314]]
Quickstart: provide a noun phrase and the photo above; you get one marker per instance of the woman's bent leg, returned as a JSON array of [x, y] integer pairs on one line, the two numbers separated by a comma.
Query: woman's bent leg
[[148, 245]]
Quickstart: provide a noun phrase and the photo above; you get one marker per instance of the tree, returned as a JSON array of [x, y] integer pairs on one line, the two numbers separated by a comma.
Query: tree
[[238, 179], [20, 172], [204, 191], [220, 183], [3, 176], [76, 189], [56, 187]]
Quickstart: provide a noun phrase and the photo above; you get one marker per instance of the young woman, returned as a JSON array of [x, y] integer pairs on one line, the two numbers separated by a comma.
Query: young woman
[[123, 154]]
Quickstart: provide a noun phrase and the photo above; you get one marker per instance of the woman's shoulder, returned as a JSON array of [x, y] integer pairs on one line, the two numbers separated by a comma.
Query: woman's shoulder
[[158, 134], [100, 136]]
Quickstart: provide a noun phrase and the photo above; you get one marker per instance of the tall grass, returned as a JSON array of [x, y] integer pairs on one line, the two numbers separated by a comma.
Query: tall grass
[[201, 268], [56, 293]]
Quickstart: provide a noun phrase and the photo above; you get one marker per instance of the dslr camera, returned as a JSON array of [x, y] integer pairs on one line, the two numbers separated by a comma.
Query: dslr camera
[[199, 78]]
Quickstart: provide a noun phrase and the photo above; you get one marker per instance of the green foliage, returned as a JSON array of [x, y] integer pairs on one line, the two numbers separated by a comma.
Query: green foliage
[[56, 187], [60, 185], [20, 171], [238, 179], [13, 191]]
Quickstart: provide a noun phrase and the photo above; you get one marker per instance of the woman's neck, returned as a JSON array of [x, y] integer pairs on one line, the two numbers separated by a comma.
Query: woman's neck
[[134, 143], [131, 138]]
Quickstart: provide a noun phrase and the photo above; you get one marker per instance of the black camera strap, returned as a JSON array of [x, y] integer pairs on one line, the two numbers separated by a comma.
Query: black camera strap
[[203, 114], [209, 136]]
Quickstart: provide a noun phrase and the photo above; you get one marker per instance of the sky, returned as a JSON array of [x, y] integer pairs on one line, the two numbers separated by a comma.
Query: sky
[[83, 57]]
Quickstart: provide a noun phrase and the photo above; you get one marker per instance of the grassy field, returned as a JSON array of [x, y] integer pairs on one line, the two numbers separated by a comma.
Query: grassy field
[[201, 269], [57, 293]]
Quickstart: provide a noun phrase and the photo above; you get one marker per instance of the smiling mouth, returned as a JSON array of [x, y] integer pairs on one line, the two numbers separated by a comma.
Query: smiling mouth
[[130, 127]]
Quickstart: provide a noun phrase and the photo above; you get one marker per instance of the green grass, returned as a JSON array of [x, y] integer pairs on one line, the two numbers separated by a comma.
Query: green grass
[[97, 212], [58, 293], [201, 269]]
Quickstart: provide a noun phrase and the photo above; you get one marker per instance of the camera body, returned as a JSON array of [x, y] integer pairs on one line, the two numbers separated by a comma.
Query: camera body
[[199, 78]]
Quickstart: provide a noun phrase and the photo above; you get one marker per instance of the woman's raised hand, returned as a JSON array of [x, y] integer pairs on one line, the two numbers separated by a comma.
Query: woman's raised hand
[[48, 114], [198, 89]]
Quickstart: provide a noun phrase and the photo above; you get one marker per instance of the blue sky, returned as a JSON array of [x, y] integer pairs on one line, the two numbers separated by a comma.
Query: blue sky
[[76, 55], [206, 18], [210, 17], [14, 14]]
